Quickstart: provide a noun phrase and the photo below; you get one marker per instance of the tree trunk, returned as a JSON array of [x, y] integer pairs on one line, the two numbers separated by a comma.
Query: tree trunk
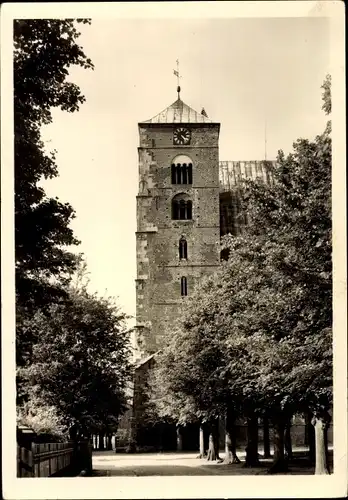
[[279, 462], [230, 439], [252, 458], [320, 427], [287, 439], [179, 446], [101, 441], [217, 439], [202, 453], [108, 442], [266, 444], [326, 445], [213, 449], [160, 447], [73, 432], [310, 437]]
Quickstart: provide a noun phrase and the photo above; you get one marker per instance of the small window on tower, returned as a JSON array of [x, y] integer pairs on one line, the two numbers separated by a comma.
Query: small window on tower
[[182, 249], [183, 286]]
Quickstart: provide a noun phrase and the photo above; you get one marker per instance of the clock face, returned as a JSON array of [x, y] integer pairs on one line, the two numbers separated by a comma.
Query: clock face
[[182, 136]]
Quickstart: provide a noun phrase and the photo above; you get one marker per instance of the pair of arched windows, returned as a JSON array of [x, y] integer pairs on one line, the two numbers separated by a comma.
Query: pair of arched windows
[[182, 249], [182, 173], [181, 208], [183, 283]]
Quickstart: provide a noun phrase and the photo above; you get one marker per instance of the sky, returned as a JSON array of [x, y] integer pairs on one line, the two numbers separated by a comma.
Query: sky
[[246, 73]]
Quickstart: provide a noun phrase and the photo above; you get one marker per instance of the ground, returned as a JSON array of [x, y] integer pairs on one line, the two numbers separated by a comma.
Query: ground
[[110, 463]]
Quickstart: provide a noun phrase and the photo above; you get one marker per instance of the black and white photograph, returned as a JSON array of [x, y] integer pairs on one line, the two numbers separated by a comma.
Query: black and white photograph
[[173, 250]]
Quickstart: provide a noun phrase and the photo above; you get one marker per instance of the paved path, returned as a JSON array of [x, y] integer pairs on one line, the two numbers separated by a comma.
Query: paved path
[[109, 463]]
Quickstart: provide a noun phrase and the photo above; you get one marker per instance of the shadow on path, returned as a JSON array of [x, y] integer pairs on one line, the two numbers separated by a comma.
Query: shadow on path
[[168, 464]]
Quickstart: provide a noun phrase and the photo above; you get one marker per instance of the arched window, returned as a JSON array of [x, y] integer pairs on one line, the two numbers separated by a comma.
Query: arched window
[[182, 248], [182, 170], [181, 207], [183, 286]]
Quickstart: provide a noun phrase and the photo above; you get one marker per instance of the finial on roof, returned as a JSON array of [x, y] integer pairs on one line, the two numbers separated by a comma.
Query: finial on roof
[[204, 113], [178, 76]]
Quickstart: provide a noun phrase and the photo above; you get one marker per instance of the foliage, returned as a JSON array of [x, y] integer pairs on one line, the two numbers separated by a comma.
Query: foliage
[[44, 50], [164, 403], [72, 347], [80, 360], [42, 419], [327, 95], [188, 382], [257, 335]]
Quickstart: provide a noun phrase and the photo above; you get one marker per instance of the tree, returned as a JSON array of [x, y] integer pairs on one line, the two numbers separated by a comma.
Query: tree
[[165, 403], [43, 419], [327, 95], [80, 361], [293, 314], [187, 384], [257, 335], [44, 49]]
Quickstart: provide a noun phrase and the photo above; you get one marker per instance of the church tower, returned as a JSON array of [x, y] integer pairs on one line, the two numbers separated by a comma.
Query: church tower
[[178, 228]]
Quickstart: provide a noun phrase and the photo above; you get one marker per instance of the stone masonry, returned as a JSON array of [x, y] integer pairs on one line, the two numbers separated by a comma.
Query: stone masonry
[[159, 269]]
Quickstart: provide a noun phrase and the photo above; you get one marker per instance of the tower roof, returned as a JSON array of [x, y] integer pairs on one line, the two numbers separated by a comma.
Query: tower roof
[[179, 112]]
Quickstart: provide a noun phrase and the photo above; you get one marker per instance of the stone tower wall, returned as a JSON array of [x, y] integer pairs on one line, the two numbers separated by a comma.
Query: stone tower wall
[[159, 269]]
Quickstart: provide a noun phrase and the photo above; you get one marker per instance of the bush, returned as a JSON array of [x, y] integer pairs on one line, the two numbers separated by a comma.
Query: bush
[[44, 420]]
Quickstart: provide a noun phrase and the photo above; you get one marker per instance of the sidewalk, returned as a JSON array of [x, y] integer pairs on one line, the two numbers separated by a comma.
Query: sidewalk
[[186, 464]]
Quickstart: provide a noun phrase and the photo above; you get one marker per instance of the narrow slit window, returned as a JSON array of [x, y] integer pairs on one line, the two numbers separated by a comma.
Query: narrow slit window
[[182, 248], [183, 286]]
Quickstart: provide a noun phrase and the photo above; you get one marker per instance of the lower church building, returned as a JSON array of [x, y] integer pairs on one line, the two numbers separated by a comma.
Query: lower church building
[[187, 200]]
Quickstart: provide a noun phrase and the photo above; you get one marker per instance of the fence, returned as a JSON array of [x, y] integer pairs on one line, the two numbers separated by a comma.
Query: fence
[[53, 459]]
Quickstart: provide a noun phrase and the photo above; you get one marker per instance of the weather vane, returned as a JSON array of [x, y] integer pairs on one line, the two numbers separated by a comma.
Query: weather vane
[[178, 76]]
